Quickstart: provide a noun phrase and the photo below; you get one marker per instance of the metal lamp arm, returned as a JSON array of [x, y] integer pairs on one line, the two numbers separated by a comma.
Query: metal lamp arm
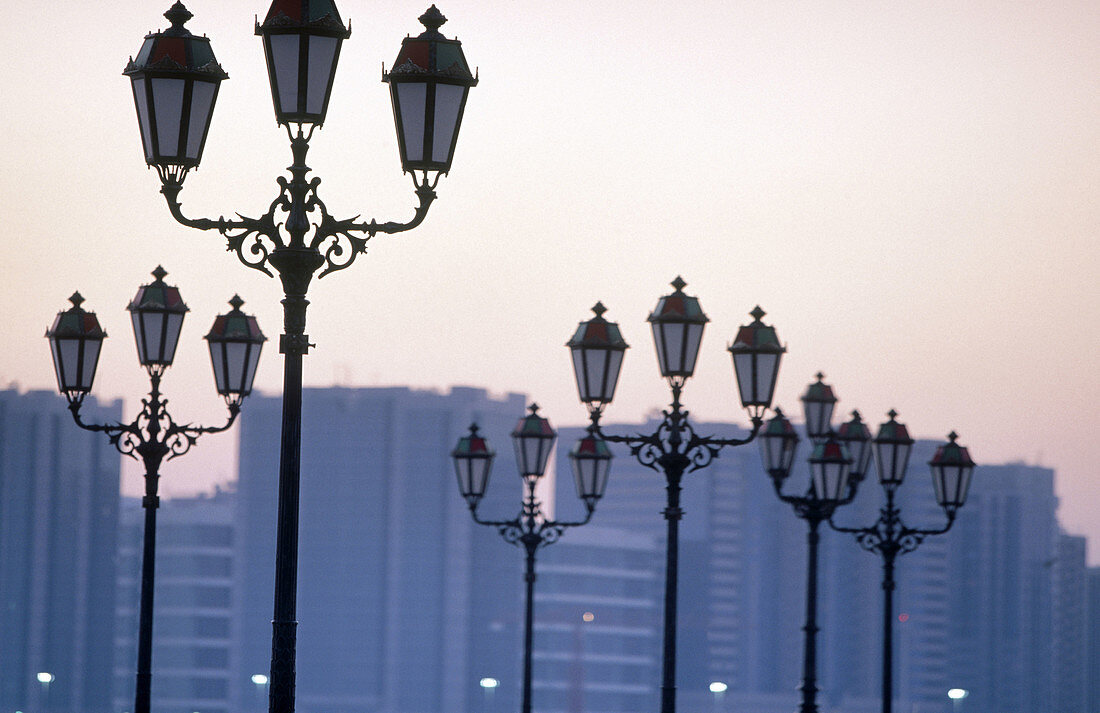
[[425, 192], [171, 190], [711, 441], [114, 431], [179, 439]]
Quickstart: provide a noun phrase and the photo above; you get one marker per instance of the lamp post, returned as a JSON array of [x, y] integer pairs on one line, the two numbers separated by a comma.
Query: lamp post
[[157, 311], [175, 80], [889, 536], [674, 448], [533, 438], [837, 464]]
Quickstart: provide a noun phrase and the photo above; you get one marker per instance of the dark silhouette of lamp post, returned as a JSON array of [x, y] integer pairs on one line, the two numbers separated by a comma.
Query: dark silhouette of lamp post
[[674, 448], [889, 536], [534, 439], [235, 343], [175, 80], [838, 462]]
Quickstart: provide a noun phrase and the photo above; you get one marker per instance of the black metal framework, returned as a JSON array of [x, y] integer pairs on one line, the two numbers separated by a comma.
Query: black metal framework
[[890, 537], [530, 530], [296, 238], [152, 437], [673, 448], [833, 483]]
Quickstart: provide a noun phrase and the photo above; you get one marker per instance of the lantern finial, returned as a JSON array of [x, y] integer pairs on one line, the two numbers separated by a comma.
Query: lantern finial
[[178, 15], [599, 309], [159, 274], [757, 313], [77, 299], [236, 302], [678, 284], [432, 19]]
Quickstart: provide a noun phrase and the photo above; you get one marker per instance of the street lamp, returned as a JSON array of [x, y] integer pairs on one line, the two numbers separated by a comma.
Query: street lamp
[[837, 464], [673, 448], [957, 695], [175, 80], [533, 439], [889, 536], [157, 313]]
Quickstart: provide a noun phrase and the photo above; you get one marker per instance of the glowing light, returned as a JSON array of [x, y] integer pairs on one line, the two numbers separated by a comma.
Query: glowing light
[[588, 616], [718, 687], [489, 682], [45, 677], [957, 693], [903, 618], [259, 679]]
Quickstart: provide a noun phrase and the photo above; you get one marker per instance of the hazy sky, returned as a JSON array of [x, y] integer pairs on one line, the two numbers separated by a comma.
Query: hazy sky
[[908, 189]]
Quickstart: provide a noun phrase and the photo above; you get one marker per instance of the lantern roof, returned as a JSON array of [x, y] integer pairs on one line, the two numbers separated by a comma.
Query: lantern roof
[[472, 445], [952, 454], [236, 326], [892, 431], [533, 426], [598, 333], [319, 17], [431, 54], [830, 450], [176, 50], [855, 429], [158, 296], [779, 426], [76, 322], [757, 336], [679, 307], [591, 446], [819, 391]]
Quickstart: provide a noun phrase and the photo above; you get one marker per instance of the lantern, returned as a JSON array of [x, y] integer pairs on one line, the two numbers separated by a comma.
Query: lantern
[[75, 342], [302, 41], [473, 461], [175, 79], [677, 323], [892, 446], [157, 312], [829, 466], [817, 406], [591, 461], [857, 437], [778, 443], [533, 439], [429, 83], [597, 348], [952, 467], [235, 342], [756, 352]]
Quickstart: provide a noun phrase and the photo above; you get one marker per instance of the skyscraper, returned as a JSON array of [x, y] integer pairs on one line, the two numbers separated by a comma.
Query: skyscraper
[[59, 489]]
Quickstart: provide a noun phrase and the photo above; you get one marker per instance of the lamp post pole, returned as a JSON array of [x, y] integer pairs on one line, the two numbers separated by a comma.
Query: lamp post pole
[[175, 80], [674, 448], [837, 464], [153, 436], [531, 529], [889, 536]]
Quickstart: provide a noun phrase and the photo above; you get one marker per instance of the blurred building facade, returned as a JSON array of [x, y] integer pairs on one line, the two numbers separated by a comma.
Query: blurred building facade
[[59, 505]]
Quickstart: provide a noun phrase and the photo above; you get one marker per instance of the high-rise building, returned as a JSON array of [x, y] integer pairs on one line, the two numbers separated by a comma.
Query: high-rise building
[[1071, 619], [1093, 657], [403, 602], [195, 660], [59, 489]]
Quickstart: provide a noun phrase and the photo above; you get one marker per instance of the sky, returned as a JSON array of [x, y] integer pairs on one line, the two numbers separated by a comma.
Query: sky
[[909, 190]]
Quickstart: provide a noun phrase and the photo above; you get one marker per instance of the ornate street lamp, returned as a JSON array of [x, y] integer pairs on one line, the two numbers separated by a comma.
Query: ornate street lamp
[[157, 311], [175, 79], [674, 448], [533, 439], [837, 465], [889, 536]]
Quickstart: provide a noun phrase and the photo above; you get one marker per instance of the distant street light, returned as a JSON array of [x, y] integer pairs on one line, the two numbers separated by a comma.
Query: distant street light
[[488, 682], [157, 312], [533, 439], [176, 78], [45, 677], [957, 695], [889, 536], [837, 464], [674, 448]]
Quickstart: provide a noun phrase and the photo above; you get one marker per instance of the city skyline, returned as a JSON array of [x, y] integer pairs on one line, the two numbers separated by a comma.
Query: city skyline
[[908, 192]]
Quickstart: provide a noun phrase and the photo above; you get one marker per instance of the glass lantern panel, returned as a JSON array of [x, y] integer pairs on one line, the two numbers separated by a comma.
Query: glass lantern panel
[[202, 103], [142, 102], [938, 484], [284, 60], [168, 110], [590, 476], [250, 367], [892, 460], [219, 366], [691, 346], [410, 100], [322, 57], [448, 104], [173, 324], [91, 359], [66, 362], [147, 334], [236, 361], [818, 415]]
